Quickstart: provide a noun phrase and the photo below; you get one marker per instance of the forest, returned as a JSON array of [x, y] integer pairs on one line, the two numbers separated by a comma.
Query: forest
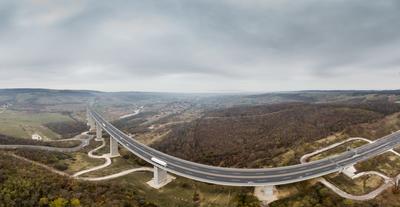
[[251, 136], [23, 184]]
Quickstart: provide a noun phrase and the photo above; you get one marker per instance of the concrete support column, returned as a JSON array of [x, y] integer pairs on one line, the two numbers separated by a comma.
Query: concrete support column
[[113, 147], [91, 123], [268, 190], [160, 179], [349, 171], [99, 133], [160, 176], [266, 194]]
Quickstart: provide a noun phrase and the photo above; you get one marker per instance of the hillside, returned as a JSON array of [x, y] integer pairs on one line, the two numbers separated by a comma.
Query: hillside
[[24, 184], [251, 136], [226, 130]]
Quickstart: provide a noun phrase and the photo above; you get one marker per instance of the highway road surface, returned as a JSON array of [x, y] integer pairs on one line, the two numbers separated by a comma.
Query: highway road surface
[[249, 177]]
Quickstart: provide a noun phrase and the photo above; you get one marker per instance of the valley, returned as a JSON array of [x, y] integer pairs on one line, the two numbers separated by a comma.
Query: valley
[[215, 130]]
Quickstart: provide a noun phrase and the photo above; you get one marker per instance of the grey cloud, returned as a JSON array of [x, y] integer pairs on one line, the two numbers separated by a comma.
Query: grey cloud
[[231, 42]]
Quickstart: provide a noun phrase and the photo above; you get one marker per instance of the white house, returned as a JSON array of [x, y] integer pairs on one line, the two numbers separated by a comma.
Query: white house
[[36, 137]]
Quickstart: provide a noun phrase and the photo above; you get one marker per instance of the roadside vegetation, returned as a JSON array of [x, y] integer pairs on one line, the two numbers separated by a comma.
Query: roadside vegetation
[[243, 131], [7, 140], [239, 137], [358, 186], [67, 129], [319, 196], [339, 149], [387, 164], [24, 184], [23, 124]]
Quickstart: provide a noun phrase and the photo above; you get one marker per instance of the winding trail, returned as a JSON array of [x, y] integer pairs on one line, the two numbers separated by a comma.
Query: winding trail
[[388, 182], [84, 143], [90, 154], [305, 157], [77, 175], [107, 162], [116, 175], [136, 112], [368, 196]]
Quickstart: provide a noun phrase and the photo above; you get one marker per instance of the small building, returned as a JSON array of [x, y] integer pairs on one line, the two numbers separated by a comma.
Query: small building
[[36, 137]]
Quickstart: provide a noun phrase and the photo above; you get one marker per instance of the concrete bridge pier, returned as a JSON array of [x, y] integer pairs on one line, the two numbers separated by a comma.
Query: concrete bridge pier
[[113, 147], [349, 171], [267, 194], [160, 178], [99, 133], [91, 123]]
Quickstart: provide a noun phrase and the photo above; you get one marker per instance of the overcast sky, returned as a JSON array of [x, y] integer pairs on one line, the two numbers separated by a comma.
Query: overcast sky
[[200, 45]]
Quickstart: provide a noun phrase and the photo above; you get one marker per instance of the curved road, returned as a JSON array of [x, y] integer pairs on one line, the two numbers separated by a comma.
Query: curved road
[[84, 143], [249, 177]]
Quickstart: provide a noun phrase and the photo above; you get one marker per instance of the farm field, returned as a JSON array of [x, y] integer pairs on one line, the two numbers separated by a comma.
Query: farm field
[[23, 124]]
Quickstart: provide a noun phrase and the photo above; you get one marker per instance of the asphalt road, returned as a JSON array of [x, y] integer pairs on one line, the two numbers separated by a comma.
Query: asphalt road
[[250, 177]]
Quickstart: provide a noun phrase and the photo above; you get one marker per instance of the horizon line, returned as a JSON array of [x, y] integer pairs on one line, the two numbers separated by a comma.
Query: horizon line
[[204, 92]]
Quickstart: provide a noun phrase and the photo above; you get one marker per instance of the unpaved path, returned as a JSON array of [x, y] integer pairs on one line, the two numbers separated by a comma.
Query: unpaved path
[[84, 143], [388, 182], [116, 175], [106, 163], [365, 197], [90, 154], [305, 157]]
